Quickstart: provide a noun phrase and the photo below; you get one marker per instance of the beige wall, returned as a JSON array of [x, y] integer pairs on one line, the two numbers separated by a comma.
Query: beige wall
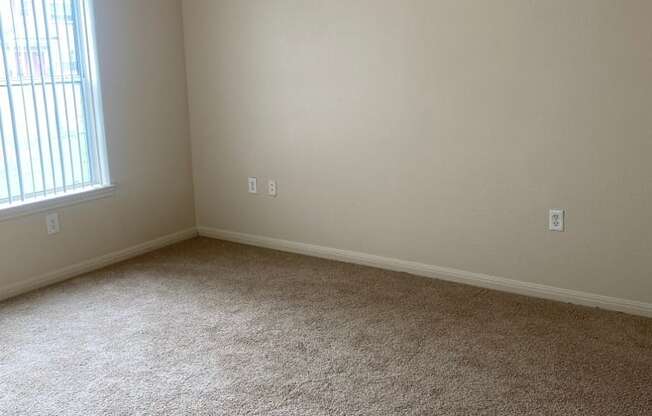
[[433, 131], [143, 77]]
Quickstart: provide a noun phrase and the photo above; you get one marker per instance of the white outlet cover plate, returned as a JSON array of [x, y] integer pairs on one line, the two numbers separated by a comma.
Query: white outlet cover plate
[[271, 187], [556, 219], [52, 222]]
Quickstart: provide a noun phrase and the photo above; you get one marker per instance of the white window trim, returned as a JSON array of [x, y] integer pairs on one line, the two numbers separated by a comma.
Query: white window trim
[[50, 203]]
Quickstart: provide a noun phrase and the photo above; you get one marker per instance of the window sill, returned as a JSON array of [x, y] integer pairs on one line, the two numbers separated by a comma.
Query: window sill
[[43, 205]]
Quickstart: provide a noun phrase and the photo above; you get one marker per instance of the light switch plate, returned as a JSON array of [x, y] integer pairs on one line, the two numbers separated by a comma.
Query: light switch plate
[[253, 185]]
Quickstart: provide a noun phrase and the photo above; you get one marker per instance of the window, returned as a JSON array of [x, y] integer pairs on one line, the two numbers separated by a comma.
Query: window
[[51, 128]]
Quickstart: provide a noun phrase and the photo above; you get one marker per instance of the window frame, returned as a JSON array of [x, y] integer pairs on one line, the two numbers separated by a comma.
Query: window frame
[[100, 185]]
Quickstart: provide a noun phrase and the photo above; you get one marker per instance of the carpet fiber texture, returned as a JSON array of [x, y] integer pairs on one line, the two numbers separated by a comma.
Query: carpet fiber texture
[[207, 327]]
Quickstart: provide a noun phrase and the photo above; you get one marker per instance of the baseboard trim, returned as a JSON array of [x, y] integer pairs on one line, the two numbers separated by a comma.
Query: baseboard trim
[[436, 272], [94, 264]]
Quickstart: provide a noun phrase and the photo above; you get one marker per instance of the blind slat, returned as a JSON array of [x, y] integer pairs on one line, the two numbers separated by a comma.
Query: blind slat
[[5, 159], [74, 94], [44, 96], [81, 68], [54, 97], [12, 112], [35, 109], [25, 111], [62, 74]]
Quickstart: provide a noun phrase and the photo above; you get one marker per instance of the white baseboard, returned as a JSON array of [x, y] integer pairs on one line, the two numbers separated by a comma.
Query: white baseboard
[[420, 269], [94, 264], [437, 272]]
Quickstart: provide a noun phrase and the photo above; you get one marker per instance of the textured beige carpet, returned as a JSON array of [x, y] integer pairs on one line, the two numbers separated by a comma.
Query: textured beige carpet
[[213, 328]]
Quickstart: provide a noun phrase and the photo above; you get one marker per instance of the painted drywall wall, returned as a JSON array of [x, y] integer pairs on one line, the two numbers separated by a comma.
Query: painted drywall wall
[[432, 131], [140, 46]]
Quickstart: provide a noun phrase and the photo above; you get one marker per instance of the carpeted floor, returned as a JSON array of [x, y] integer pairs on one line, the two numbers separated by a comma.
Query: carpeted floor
[[207, 327]]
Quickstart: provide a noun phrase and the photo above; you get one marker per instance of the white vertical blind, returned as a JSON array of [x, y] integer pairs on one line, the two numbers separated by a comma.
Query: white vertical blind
[[51, 132]]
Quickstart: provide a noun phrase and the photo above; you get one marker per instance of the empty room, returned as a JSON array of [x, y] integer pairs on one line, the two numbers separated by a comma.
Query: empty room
[[326, 207]]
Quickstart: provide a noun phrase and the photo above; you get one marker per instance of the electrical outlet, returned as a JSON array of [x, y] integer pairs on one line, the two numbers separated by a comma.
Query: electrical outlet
[[556, 220], [52, 223], [271, 187], [253, 185]]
